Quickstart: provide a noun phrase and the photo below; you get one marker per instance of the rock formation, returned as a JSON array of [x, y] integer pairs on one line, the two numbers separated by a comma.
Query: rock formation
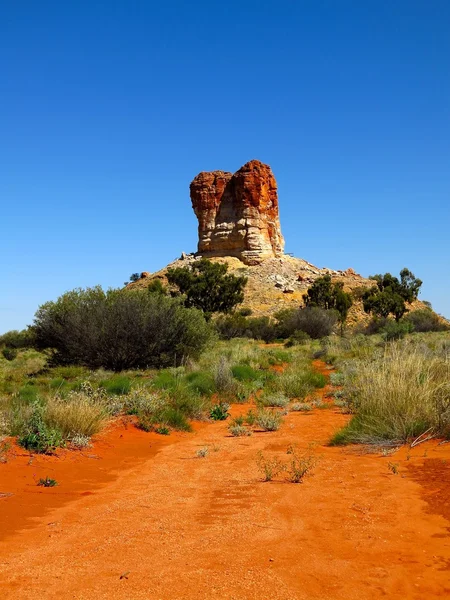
[[238, 214]]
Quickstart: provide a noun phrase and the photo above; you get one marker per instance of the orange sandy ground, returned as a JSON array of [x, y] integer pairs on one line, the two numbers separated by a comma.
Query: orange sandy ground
[[140, 516]]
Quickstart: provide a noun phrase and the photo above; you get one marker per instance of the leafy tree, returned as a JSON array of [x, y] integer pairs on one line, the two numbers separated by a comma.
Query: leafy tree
[[120, 329], [330, 296], [133, 278], [207, 286], [390, 295]]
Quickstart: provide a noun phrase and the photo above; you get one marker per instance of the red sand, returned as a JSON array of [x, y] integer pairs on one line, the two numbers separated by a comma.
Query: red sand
[[140, 516]]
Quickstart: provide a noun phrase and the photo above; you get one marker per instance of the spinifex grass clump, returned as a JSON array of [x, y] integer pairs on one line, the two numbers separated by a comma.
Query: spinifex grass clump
[[298, 380], [117, 385], [398, 395]]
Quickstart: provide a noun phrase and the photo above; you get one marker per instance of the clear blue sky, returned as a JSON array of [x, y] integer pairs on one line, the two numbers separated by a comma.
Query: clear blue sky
[[109, 109]]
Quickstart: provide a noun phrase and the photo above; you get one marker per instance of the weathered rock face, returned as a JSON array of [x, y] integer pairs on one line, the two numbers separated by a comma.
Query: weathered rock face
[[238, 214]]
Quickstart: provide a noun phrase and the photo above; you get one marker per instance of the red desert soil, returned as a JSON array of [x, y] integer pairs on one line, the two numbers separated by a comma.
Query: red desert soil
[[140, 516]]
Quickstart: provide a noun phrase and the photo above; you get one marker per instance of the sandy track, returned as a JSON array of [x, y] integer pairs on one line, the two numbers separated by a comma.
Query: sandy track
[[175, 526]]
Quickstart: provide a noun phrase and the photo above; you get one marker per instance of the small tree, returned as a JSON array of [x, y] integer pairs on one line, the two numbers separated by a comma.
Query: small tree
[[330, 296], [207, 286], [390, 295], [133, 278]]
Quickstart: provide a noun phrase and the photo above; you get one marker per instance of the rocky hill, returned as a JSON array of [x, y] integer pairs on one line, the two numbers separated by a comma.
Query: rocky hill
[[238, 223]]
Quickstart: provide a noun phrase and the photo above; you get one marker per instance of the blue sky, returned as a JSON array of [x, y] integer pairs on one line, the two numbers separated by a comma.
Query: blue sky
[[109, 109]]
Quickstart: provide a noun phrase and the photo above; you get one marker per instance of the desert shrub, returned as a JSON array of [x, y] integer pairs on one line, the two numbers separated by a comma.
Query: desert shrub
[[397, 395], [47, 482], [17, 339], [337, 378], [175, 418], [301, 407], [163, 416], [120, 329], [231, 326], [79, 441], [239, 430], [261, 328], [238, 325], [276, 400], [299, 464], [278, 357], [202, 452], [268, 420], [37, 436], [245, 311], [117, 385], [269, 467], [9, 353], [425, 320], [162, 430], [219, 412], [394, 330], [315, 321], [298, 338], [141, 400]]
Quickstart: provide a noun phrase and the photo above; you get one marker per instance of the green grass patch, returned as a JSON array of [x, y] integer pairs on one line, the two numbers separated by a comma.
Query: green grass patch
[[117, 385]]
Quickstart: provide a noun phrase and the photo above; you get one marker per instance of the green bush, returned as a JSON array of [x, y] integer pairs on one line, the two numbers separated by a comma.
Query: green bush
[[314, 321], [175, 418], [9, 353], [219, 412], [38, 436], [424, 320], [120, 329], [17, 339], [201, 382], [28, 394], [394, 330], [298, 338]]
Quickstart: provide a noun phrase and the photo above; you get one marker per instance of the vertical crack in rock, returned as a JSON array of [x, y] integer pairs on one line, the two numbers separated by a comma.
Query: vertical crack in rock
[[238, 214]]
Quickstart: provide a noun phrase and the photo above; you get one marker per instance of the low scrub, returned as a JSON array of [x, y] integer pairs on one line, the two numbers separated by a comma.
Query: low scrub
[[276, 400], [268, 420]]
